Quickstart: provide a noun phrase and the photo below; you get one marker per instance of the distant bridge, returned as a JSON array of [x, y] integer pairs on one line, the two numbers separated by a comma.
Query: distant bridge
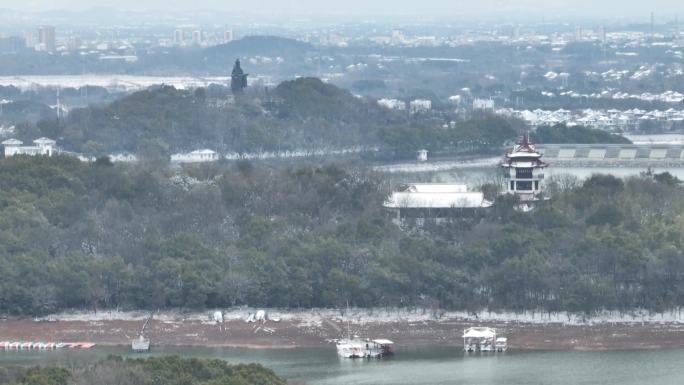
[[657, 155]]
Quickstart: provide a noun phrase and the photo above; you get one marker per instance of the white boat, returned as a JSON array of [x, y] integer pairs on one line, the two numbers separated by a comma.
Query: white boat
[[501, 344], [385, 346], [357, 348]]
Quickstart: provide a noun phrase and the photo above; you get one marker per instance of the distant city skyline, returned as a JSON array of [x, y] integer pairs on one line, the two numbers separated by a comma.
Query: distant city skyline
[[534, 8]]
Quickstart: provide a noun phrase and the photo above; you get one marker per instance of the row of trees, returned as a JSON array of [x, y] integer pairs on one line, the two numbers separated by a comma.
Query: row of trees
[[94, 236], [151, 371], [561, 133]]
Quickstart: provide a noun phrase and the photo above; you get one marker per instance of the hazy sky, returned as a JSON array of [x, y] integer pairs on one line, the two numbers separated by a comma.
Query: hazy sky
[[593, 8]]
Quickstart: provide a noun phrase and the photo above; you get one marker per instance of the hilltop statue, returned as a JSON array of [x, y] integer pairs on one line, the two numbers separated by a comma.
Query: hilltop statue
[[238, 79]]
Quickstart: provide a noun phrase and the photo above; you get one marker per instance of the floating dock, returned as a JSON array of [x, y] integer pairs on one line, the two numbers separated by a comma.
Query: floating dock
[[27, 345]]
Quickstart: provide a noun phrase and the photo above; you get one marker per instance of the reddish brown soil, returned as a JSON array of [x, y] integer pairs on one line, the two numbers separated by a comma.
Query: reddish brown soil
[[288, 334]]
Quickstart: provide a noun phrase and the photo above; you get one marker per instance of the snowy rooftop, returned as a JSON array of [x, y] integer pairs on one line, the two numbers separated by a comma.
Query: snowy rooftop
[[437, 200], [479, 332], [436, 188], [44, 140], [203, 151], [12, 142]]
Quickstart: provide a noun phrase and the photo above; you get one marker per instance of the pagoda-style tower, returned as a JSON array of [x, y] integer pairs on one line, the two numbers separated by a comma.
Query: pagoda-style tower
[[524, 170], [238, 79]]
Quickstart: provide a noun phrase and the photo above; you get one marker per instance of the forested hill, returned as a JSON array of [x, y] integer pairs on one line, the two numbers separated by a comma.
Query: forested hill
[[302, 114], [270, 46], [291, 117], [579, 135], [94, 236]]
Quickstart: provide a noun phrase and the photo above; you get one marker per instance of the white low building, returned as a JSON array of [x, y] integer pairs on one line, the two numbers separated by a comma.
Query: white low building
[[420, 105], [483, 104], [421, 201], [392, 104], [422, 155], [123, 158], [43, 146], [197, 156]]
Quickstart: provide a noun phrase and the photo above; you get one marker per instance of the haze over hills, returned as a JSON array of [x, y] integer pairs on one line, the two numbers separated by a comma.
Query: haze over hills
[[487, 8], [323, 177]]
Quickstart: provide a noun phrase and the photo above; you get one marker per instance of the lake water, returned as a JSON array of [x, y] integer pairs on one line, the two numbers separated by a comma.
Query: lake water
[[656, 139], [477, 172], [435, 366]]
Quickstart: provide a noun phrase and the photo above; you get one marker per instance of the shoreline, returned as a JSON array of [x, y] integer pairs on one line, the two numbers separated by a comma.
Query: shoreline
[[309, 329]]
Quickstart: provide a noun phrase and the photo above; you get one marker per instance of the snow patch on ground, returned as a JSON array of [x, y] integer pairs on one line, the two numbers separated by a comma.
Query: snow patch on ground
[[358, 316]]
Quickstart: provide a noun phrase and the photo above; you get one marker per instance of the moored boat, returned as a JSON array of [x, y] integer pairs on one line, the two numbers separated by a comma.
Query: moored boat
[[483, 339], [501, 344], [360, 348]]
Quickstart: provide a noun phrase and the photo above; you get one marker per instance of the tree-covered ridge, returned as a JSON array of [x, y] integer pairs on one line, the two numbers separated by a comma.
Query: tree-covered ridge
[[305, 114], [150, 371], [293, 116], [88, 236], [271, 46], [580, 135]]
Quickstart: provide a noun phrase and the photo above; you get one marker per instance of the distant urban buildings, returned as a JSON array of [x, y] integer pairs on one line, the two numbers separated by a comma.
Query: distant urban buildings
[[601, 33], [227, 35], [12, 44], [392, 104], [194, 36], [420, 105], [414, 106], [197, 38], [46, 38], [178, 37], [609, 120]]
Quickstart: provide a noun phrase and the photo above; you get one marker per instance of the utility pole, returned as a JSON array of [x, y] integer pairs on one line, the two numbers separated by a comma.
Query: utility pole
[[652, 26]]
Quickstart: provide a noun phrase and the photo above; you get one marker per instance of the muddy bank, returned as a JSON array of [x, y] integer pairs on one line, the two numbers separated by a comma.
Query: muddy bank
[[293, 331]]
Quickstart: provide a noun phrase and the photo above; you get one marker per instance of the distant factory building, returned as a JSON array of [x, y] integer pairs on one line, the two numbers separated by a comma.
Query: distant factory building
[[238, 79]]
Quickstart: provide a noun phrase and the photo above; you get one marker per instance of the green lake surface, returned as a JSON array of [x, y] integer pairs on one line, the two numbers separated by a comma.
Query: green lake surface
[[426, 365]]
